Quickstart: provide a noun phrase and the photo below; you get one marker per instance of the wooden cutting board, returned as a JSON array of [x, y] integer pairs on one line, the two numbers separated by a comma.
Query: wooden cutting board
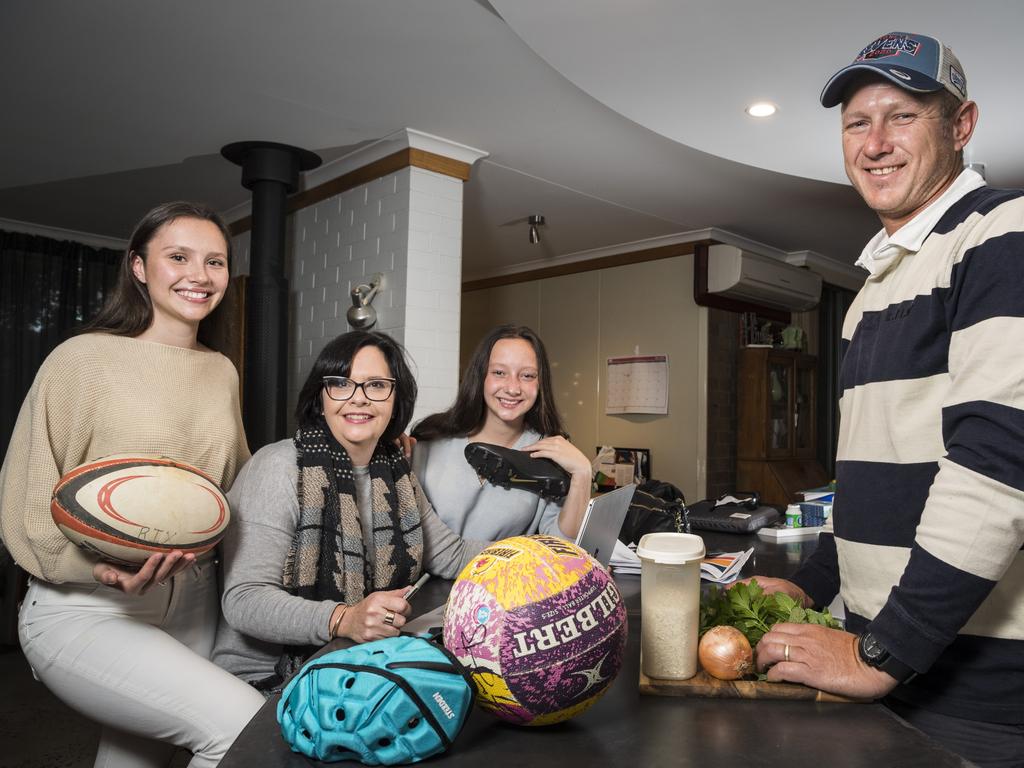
[[704, 685]]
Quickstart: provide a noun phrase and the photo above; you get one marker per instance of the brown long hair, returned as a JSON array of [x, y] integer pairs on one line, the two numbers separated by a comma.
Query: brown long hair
[[128, 310], [469, 412]]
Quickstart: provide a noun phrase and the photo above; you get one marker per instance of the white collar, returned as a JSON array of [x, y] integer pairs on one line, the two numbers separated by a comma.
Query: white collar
[[883, 250]]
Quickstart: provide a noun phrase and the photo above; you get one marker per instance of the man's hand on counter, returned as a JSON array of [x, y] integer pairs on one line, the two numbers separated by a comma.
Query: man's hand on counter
[[822, 658]]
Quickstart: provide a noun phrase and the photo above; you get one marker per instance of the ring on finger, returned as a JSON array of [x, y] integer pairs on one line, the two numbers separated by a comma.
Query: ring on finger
[[785, 651], [389, 618]]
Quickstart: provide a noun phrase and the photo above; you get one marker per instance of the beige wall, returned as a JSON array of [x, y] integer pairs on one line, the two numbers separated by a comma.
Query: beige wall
[[587, 317]]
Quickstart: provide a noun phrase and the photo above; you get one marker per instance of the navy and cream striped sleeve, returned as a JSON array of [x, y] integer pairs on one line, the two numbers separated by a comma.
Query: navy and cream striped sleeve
[[965, 573], [929, 516]]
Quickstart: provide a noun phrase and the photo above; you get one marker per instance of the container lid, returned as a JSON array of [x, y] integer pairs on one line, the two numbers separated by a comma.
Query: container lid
[[671, 548]]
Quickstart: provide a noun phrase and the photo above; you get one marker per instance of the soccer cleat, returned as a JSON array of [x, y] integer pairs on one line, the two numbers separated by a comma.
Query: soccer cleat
[[509, 468]]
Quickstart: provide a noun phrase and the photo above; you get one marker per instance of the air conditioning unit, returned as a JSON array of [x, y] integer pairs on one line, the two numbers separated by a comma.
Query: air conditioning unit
[[751, 277]]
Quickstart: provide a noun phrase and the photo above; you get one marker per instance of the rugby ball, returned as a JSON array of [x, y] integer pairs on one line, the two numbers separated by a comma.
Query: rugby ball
[[125, 508]]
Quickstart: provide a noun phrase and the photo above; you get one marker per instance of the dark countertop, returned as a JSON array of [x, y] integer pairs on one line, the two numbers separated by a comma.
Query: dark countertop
[[625, 727]]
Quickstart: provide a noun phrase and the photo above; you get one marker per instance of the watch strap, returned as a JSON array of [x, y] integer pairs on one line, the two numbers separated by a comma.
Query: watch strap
[[884, 660]]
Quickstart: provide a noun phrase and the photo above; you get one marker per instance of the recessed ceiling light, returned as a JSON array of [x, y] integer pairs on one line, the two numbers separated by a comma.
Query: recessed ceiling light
[[761, 109]]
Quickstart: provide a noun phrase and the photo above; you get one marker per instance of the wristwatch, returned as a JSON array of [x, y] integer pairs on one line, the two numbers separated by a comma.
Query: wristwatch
[[874, 654]]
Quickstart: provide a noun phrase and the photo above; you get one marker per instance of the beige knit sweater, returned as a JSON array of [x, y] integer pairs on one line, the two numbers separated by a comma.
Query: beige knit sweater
[[97, 395]]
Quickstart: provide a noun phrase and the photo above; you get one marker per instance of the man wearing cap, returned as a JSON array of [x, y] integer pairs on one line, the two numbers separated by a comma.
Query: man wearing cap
[[928, 525]]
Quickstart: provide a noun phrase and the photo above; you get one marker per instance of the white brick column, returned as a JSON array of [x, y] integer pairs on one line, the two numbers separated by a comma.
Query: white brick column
[[405, 224], [431, 296]]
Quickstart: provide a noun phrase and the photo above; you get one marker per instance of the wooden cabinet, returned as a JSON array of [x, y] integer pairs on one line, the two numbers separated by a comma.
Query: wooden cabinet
[[776, 420]]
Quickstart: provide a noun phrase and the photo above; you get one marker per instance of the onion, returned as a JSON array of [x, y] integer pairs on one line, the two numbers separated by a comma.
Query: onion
[[725, 653]]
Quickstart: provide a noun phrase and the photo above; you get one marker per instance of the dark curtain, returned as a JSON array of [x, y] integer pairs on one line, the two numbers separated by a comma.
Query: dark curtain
[[835, 301], [47, 288]]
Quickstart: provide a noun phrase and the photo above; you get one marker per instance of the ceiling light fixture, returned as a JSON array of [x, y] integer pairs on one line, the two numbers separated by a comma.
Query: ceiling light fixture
[[535, 221], [761, 109]]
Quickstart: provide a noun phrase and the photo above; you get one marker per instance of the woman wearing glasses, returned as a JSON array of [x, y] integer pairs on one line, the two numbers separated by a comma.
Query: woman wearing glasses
[[331, 527]]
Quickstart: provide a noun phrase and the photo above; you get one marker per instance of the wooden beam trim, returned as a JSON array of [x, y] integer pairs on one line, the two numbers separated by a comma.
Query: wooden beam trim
[[239, 226], [589, 265], [428, 161], [404, 158], [378, 168]]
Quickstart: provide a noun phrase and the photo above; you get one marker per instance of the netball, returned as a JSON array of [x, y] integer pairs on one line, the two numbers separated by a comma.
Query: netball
[[541, 627], [125, 508]]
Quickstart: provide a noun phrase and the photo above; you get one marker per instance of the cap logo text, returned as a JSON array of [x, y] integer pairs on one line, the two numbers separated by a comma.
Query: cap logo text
[[890, 45]]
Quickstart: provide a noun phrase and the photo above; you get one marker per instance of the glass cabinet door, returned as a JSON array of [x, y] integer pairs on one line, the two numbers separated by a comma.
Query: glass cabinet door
[[780, 422], [803, 411]]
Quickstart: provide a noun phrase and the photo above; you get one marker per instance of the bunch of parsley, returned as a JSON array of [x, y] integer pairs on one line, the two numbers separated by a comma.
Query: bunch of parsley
[[753, 612]]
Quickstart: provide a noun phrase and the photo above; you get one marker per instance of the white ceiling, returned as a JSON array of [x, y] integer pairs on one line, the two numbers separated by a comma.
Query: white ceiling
[[619, 121], [727, 54]]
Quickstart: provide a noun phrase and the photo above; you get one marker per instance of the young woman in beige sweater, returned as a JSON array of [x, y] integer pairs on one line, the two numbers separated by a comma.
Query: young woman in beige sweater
[[129, 647]]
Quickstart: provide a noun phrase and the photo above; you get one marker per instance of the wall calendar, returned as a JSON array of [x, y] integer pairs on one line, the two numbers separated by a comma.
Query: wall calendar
[[637, 384]]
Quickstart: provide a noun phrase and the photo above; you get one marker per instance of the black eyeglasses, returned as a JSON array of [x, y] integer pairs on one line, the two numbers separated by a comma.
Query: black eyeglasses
[[342, 388]]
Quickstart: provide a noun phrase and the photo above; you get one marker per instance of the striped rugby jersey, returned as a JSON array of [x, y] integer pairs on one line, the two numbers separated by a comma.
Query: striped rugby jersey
[[929, 516]]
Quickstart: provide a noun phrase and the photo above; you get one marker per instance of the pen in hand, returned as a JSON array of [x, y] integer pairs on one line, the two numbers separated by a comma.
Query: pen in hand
[[416, 587]]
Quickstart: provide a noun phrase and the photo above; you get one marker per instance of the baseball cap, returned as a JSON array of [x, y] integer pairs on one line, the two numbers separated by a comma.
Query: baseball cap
[[915, 62]]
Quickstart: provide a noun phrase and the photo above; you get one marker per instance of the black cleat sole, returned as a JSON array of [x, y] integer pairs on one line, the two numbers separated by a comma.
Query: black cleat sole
[[509, 468]]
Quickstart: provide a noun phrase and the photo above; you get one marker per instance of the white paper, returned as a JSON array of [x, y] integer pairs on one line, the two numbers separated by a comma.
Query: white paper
[[624, 560], [637, 384]]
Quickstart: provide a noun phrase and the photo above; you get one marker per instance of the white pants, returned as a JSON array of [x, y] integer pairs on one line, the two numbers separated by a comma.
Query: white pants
[[138, 665]]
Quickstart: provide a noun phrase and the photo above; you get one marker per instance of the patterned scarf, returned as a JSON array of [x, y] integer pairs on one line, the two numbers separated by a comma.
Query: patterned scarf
[[327, 559]]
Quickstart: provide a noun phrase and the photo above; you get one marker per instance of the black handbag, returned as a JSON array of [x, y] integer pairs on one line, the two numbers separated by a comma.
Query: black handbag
[[656, 507]]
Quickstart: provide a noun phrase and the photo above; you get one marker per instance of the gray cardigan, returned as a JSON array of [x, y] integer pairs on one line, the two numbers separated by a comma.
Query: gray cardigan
[[259, 616]]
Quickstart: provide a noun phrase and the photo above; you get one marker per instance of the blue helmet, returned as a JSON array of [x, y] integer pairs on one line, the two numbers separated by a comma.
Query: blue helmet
[[397, 700]]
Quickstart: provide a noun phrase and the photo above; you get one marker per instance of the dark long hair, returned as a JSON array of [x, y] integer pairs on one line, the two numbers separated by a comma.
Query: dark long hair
[[469, 412], [128, 310], [336, 360]]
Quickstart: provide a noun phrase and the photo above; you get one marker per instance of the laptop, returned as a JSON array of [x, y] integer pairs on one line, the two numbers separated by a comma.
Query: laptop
[[602, 522]]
